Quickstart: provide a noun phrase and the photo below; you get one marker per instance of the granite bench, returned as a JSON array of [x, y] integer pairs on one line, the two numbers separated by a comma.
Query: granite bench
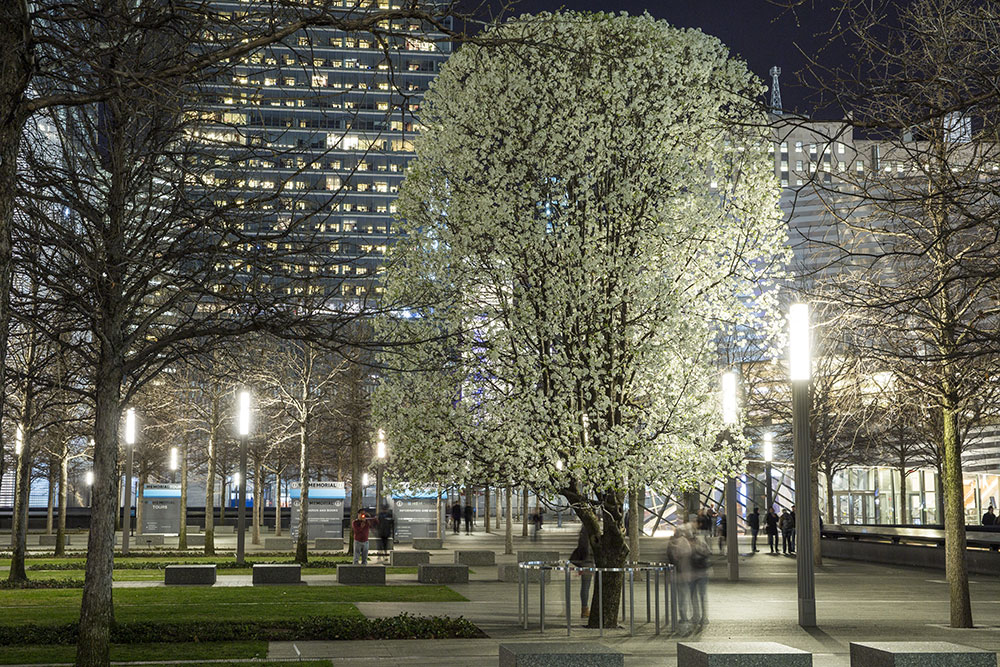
[[740, 654], [186, 575], [50, 540], [919, 654], [443, 574], [329, 544], [372, 575], [475, 557], [410, 558], [277, 573], [532, 555], [151, 540], [195, 540], [510, 572], [425, 543], [278, 543], [559, 654]]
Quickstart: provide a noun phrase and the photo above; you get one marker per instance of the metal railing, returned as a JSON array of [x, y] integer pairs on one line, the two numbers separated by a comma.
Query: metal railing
[[653, 571]]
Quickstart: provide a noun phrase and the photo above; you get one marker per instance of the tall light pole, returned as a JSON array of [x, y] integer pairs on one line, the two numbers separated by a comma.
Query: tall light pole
[[380, 456], [241, 508], [730, 418], [129, 450], [800, 371], [768, 457]]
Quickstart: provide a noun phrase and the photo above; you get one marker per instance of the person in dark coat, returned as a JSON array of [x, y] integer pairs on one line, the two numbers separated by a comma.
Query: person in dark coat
[[469, 515], [581, 557], [990, 519], [386, 528], [456, 517], [722, 533], [771, 528], [754, 522]]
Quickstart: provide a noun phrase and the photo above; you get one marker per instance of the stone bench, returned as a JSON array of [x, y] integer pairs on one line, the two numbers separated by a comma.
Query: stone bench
[[50, 540], [329, 544], [919, 654], [278, 543], [185, 575], [410, 558], [151, 540], [509, 572], [475, 557], [443, 574], [372, 575], [740, 654], [195, 540], [532, 555], [224, 530], [559, 654], [425, 543], [277, 573]]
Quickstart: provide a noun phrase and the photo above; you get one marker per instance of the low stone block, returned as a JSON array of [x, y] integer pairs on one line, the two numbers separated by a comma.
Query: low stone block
[[225, 530], [50, 540], [425, 543], [329, 544], [151, 540], [919, 654], [195, 540], [475, 557], [410, 558], [187, 575], [361, 574], [740, 654], [531, 555], [509, 572], [443, 574], [559, 654], [278, 543], [277, 573]]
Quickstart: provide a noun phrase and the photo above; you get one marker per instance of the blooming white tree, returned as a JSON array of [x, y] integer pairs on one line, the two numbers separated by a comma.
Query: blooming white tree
[[580, 225]]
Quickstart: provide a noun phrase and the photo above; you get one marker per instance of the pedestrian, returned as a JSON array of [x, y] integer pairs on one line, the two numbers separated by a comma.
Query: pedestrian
[[754, 522], [989, 519], [456, 517], [704, 524], [536, 519], [771, 528], [679, 555], [469, 515], [360, 528], [722, 533], [784, 525], [386, 527], [582, 557], [794, 529], [698, 584]]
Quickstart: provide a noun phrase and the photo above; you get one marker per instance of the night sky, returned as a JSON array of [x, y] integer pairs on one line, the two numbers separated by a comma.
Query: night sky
[[757, 31]]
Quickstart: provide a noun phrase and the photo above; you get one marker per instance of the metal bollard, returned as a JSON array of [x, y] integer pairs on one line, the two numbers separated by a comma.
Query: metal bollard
[[520, 595], [656, 589], [670, 590], [569, 606], [525, 597], [541, 599], [600, 600], [648, 615], [631, 602]]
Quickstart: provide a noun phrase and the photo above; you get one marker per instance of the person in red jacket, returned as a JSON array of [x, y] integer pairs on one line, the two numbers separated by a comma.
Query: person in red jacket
[[360, 528]]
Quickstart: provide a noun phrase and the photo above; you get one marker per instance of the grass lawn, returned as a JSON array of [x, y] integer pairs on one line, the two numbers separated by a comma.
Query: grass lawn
[[214, 604], [157, 575], [214, 651]]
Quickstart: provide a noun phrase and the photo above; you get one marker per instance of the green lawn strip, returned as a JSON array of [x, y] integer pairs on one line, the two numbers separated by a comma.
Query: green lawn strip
[[58, 606], [11, 655], [157, 575]]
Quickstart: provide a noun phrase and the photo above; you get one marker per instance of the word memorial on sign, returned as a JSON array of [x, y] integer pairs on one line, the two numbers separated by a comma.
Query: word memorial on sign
[[326, 509], [161, 509]]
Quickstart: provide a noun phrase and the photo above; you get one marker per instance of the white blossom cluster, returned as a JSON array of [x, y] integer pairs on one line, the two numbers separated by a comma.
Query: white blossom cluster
[[591, 208]]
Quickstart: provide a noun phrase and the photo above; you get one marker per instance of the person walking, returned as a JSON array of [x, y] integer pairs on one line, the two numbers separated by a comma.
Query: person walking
[[679, 555], [990, 519], [794, 530], [469, 515], [360, 528], [701, 564], [386, 528], [723, 545], [771, 528], [754, 522], [536, 519], [784, 525], [456, 517], [582, 557]]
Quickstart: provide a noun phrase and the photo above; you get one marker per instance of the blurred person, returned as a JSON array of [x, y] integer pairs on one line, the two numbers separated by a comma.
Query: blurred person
[[771, 528], [360, 528], [582, 557], [753, 521]]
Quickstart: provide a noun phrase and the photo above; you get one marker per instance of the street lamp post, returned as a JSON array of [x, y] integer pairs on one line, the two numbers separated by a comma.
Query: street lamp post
[[241, 508], [380, 456], [800, 370], [768, 457], [730, 419], [129, 450]]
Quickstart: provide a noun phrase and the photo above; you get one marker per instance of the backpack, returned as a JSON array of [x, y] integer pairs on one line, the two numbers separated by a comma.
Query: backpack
[[700, 557]]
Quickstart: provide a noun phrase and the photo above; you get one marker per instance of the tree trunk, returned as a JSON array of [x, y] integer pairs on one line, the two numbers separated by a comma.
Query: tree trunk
[[607, 543], [96, 610], [258, 496], [356, 491], [486, 507], [904, 511], [954, 521], [63, 499], [302, 544], [277, 505], [635, 510], [210, 491], [119, 496], [51, 501], [830, 516], [524, 511], [182, 535], [140, 495], [508, 541], [19, 528]]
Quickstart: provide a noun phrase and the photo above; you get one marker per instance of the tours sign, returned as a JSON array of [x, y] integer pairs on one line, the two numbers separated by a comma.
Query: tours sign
[[161, 508], [326, 509]]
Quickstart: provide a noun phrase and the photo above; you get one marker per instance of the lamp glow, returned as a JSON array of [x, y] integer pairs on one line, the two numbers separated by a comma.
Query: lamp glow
[[18, 440], [236, 478], [244, 420], [364, 479], [173, 458], [768, 447], [729, 398], [559, 464], [130, 426], [380, 446], [799, 359], [89, 478]]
